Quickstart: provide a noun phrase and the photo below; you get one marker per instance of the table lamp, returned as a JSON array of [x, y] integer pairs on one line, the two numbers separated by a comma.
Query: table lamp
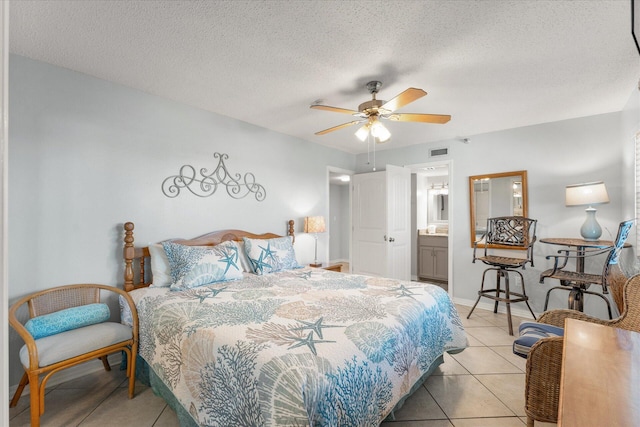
[[588, 194], [315, 225]]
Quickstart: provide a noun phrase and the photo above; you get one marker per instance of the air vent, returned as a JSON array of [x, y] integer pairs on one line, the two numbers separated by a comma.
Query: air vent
[[438, 152]]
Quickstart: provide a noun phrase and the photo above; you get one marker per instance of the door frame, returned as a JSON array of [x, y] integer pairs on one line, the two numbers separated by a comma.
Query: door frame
[[449, 163], [334, 169]]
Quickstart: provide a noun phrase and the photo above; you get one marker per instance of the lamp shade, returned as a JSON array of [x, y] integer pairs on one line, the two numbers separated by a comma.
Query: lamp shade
[[314, 224], [590, 193]]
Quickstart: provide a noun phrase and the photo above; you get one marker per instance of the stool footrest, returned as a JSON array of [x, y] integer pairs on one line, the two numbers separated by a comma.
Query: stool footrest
[[497, 298], [498, 294]]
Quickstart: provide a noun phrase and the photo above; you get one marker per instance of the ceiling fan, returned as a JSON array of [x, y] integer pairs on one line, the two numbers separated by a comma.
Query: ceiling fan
[[370, 112]]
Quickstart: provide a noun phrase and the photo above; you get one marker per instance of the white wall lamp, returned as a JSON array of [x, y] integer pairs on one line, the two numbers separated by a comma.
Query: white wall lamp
[[314, 225], [588, 194]]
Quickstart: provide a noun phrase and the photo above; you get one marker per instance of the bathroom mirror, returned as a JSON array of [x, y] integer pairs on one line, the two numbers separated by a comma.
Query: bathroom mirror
[[438, 207], [496, 194]]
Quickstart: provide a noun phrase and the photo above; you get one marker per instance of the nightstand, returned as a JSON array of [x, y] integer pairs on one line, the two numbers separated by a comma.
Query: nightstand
[[334, 267]]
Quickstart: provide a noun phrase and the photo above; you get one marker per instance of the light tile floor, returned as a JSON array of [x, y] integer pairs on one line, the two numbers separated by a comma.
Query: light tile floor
[[483, 386]]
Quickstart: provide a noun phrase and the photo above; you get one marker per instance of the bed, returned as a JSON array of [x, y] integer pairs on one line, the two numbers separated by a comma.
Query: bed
[[296, 346]]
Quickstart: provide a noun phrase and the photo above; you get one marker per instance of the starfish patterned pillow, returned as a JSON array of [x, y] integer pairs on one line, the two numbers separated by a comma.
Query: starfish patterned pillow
[[270, 255], [193, 266]]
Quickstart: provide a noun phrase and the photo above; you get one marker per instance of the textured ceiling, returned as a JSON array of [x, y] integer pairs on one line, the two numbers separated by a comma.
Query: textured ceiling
[[492, 65]]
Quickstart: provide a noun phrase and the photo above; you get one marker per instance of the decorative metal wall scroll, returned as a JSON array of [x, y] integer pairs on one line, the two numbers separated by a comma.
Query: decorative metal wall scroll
[[206, 184]]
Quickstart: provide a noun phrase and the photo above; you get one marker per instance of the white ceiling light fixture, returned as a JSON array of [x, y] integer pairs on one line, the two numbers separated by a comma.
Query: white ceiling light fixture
[[377, 130], [380, 132], [363, 132]]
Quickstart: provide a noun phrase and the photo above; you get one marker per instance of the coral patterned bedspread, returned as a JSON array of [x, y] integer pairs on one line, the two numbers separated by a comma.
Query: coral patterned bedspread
[[298, 347]]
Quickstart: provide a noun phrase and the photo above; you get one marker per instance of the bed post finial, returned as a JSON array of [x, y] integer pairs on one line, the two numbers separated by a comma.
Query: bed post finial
[[128, 254], [291, 231]]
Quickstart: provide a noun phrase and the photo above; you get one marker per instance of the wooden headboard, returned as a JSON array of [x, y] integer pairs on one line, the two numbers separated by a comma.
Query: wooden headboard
[[136, 257]]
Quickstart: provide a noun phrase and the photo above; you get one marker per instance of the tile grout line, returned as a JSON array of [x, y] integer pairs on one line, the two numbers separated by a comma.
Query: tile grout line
[[160, 415], [115, 390]]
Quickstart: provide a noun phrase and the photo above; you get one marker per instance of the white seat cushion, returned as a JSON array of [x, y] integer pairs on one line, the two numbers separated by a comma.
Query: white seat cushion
[[65, 345]]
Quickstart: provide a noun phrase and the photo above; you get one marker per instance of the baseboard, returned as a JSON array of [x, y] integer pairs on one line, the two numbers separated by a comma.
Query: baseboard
[[75, 372]]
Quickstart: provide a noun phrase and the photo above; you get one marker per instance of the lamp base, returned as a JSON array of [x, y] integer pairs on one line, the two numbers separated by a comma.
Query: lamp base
[[315, 264], [591, 230]]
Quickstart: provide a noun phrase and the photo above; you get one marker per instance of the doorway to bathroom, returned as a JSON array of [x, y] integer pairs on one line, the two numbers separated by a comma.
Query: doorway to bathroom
[[431, 222]]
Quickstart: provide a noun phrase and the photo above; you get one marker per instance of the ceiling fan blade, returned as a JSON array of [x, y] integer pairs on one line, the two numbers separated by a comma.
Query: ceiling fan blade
[[334, 109], [403, 99], [424, 118], [344, 125]]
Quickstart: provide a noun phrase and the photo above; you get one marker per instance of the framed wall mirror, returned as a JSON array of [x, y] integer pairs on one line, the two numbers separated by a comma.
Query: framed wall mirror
[[496, 194]]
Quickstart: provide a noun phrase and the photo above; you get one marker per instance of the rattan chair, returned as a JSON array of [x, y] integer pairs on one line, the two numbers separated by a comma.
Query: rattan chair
[[511, 232], [48, 355], [577, 282], [544, 362]]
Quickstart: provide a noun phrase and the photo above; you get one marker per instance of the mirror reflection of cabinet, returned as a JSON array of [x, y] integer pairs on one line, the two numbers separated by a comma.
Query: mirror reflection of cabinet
[[493, 195]]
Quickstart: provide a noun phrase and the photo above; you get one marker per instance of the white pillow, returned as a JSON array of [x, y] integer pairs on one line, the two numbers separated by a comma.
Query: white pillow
[[160, 270], [244, 260]]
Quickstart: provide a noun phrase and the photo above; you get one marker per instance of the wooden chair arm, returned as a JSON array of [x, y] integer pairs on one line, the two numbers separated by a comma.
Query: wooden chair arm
[[22, 331], [132, 307]]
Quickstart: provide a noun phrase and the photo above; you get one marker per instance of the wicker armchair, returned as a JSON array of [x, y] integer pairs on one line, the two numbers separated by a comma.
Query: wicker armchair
[[71, 346], [544, 362]]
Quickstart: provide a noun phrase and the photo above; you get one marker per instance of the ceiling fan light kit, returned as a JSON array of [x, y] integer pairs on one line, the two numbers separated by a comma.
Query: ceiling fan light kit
[[377, 130], [363, 132], [371, 111]]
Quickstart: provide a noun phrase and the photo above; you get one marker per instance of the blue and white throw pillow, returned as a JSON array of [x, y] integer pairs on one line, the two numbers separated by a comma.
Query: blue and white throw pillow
[[270, 255], [193, 266]]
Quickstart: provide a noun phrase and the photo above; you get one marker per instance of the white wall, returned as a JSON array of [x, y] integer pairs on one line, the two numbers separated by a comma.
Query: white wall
[[88, 155], [554, 155]]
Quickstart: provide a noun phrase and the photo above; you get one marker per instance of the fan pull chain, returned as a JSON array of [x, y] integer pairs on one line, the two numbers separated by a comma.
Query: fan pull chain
[[369, 137], [369, 148], [374, 153]]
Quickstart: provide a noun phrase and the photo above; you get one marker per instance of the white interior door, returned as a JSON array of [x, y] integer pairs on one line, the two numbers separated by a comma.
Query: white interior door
[[399, 222], [369, 210], [382, 223]]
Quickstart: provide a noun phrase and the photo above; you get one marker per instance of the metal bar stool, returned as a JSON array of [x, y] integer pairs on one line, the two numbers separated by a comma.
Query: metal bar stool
[[510, 232]]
